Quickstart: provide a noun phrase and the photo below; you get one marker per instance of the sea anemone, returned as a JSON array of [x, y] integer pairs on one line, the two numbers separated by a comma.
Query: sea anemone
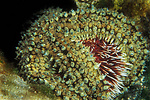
[[85, 54]]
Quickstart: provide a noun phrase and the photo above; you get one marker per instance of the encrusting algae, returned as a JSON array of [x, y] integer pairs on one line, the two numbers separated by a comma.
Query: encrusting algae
[[13, 87], [85, 54]]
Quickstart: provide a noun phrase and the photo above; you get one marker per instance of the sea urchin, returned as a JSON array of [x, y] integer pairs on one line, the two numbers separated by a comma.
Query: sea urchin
[[111, 61]]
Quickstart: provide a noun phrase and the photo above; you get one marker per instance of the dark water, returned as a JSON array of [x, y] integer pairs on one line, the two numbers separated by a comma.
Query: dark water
[[16, 17]]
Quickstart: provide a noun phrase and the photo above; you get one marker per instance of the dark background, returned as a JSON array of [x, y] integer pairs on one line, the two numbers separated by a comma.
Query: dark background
[[15, 18]]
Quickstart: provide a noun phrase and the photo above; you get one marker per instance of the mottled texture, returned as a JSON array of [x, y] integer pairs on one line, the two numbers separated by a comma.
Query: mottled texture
[[13, 87], [55, 52]]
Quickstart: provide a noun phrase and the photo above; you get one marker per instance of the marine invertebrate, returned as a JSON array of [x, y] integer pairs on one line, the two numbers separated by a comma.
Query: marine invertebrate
[[109, 58], [89, 53]]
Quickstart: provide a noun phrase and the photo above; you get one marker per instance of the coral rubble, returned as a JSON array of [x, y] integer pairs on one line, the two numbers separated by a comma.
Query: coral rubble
[[13, 87]]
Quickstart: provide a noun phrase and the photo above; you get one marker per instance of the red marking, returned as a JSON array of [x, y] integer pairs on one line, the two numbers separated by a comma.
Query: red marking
[[106, 54]]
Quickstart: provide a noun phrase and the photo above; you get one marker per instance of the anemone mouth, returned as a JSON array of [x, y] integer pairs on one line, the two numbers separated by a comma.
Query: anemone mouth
[[110, 62]]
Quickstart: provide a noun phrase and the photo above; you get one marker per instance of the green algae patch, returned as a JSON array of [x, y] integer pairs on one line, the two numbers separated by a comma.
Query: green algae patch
[[43, 90]]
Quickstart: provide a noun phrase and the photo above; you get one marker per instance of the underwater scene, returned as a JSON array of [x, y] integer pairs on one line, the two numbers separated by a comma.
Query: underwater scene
[[83, 50]]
